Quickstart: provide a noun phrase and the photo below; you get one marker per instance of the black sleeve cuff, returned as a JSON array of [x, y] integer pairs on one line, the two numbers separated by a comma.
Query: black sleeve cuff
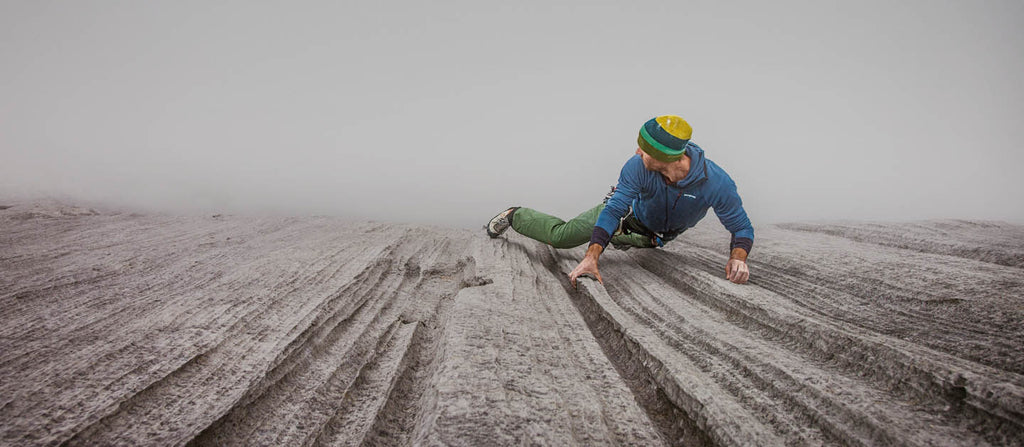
[[600, 237], [742, 242]]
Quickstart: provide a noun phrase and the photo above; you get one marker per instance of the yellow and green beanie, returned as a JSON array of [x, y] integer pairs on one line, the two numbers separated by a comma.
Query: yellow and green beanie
[[665, 137]]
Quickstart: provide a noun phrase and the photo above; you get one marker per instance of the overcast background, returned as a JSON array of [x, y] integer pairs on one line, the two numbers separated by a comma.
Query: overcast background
[[448, 112]]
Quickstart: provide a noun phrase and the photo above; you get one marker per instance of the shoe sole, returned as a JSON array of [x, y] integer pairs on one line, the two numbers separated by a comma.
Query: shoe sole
[[488, 226]]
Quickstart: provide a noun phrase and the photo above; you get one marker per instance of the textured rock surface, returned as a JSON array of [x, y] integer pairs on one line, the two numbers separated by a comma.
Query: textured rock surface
[[126, 329]]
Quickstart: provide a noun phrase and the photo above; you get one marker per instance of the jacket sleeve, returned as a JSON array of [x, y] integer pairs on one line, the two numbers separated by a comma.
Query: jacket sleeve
[[626, 190], [729, 209]]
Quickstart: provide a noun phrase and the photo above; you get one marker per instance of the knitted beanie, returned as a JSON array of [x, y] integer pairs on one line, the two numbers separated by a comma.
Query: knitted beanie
[[665, 137]]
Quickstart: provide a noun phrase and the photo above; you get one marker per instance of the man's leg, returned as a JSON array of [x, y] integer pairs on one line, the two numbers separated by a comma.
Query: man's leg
[[633, 239], [561, 234], [554, 231]]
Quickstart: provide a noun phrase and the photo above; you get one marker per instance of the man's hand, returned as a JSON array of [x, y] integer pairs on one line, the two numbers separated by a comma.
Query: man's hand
[[588, 266], [736, 271]]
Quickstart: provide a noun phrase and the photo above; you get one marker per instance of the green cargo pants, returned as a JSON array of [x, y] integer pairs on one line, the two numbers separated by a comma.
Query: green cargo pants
[[561, 234]]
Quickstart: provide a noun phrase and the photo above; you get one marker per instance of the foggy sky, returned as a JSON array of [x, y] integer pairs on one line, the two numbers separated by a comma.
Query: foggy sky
[[447, 114]]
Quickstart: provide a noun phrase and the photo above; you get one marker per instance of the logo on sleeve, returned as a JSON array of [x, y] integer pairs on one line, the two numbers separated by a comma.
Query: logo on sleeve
[[690, 196]]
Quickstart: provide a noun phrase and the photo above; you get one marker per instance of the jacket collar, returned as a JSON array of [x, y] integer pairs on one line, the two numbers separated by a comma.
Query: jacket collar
[[698, 167]]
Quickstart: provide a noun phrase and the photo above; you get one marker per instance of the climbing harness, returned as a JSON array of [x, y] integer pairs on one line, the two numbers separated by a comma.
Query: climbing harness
[[630, 224]]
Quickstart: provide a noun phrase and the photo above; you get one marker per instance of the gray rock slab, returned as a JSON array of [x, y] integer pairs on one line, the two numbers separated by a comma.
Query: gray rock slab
[[131, 329]]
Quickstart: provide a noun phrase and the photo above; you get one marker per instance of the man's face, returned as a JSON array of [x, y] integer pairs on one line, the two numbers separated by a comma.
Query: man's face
[[650, 163]]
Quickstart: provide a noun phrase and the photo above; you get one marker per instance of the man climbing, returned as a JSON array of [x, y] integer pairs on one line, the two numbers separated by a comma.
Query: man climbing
[[664, 189]]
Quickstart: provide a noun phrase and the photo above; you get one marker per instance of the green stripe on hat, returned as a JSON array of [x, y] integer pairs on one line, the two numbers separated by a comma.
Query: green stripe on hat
[[657, 150]]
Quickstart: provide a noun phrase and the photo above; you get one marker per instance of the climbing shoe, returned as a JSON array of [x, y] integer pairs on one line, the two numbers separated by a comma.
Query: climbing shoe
[[501, 222]]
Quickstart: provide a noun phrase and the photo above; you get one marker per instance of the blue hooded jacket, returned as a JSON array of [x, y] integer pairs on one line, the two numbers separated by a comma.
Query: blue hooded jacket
[[671, 209]]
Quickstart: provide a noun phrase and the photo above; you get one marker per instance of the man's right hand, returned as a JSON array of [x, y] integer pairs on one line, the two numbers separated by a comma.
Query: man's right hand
[[588, 266]]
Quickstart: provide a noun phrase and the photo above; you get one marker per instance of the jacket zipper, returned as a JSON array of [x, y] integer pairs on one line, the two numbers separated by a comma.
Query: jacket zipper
[[665, 225], [680, 194]]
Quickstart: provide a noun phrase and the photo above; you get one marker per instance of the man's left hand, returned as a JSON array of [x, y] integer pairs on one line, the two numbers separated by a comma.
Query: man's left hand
[[736, 271]]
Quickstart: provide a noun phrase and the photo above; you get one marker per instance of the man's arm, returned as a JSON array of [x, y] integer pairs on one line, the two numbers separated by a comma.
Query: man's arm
[[626, 190], [729, 209]]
